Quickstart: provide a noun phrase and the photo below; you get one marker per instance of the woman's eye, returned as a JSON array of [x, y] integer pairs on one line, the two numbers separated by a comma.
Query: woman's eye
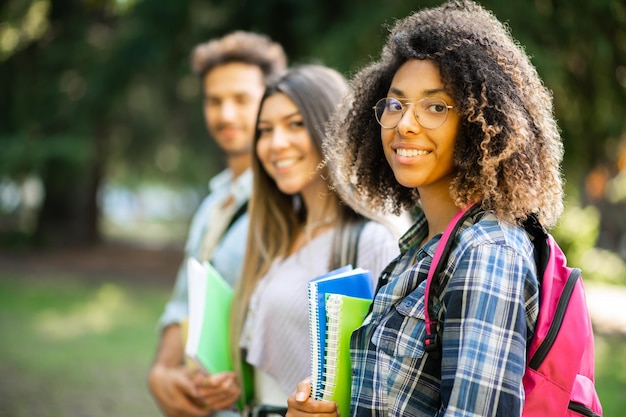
[[297, 124], [436, 108], [264, 131], [394, 105]]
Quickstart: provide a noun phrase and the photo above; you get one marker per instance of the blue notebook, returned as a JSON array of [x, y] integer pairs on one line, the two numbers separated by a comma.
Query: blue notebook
[[346, 281]]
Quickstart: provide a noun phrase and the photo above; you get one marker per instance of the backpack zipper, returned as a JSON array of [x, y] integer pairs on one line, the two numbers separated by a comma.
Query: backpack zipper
[[582, 409]]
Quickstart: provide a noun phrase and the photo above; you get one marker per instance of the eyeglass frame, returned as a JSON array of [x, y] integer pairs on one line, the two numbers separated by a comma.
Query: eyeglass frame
[[405, 103]]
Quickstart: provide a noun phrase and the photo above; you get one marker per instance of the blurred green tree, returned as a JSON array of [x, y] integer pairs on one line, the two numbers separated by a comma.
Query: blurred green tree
[[93, 90]]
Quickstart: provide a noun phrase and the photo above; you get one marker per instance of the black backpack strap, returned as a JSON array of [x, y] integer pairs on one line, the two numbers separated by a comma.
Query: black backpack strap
[[240, 212], [539, 237]]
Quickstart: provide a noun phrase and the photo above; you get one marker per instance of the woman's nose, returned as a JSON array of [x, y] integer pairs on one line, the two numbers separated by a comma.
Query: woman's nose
[[280, 138], [408, 123]]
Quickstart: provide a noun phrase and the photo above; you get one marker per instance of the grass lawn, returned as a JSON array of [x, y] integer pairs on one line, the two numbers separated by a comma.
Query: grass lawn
[[71, 348], [611, 373]]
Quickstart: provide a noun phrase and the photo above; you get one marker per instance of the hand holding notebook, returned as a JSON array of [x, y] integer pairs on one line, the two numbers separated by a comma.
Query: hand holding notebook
[[328, 363], [344, 314]]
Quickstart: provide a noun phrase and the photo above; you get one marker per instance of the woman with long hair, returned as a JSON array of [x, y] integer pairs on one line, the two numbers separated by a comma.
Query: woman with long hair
[[299, 229]]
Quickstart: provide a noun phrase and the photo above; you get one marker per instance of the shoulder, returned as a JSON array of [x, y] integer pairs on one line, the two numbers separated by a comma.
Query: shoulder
[[493, 247], [489, 230], [219, 186], [200, 216], [378, 246], [377, 232], [221, 181]]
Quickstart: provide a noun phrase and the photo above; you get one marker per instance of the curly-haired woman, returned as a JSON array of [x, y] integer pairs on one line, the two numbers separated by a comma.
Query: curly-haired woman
[[453, 113]]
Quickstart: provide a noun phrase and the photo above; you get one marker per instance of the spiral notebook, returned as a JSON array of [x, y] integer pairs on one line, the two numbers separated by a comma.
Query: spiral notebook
[[344, 314], [356, 283]]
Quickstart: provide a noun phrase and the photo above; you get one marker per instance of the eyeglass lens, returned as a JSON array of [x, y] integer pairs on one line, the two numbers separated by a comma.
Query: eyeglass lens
[[430, 112]]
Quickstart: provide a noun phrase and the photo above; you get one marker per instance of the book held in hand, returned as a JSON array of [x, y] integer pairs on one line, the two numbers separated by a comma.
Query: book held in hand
[[344, 314], [208, 337], [356, 283]]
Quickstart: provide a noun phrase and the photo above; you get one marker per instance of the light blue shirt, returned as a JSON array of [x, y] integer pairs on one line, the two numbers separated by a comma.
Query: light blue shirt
[[228, 255]]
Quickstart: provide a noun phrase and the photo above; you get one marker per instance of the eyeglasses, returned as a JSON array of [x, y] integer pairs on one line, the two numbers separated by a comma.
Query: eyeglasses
[[430, 112]]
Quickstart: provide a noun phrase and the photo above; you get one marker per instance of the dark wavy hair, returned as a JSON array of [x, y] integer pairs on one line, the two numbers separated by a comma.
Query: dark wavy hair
[[240, 46], [508, 149]]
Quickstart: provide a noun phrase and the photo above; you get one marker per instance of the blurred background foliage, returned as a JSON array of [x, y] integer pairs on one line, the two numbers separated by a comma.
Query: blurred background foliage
[[98, 104]]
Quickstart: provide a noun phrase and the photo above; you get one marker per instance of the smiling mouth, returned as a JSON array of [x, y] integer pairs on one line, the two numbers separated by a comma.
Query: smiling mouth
[[411, 152], [285, 163]]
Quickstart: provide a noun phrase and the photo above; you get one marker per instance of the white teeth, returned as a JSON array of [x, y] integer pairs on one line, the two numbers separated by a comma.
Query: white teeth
[[410, 152], [284, 163]]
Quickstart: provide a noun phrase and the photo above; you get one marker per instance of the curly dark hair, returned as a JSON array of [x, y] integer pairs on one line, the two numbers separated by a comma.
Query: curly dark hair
[[508, 149]]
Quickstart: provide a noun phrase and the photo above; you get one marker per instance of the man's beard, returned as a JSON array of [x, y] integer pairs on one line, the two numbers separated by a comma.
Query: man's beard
[[234, 153]]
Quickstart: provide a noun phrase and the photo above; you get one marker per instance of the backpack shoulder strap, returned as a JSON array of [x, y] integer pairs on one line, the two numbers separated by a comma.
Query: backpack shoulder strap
[[353, 247], [539, 237], [432, 344], [346, 244], [240, 212]]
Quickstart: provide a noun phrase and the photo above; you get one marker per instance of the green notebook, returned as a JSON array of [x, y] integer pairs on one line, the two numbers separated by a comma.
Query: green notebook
[[344, 314], [208, 337], [209, 312]]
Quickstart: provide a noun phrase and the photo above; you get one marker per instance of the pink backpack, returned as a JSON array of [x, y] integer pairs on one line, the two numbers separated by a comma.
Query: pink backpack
[[559, 377]]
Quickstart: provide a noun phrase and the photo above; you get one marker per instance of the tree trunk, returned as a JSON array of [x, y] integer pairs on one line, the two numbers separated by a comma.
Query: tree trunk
[[70, 212]]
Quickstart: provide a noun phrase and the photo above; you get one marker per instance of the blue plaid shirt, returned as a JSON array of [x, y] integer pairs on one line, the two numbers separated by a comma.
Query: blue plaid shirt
[[487, 313]]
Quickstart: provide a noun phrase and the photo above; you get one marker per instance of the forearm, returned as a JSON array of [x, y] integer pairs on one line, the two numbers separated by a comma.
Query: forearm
[[171, 350], [169, 355]]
